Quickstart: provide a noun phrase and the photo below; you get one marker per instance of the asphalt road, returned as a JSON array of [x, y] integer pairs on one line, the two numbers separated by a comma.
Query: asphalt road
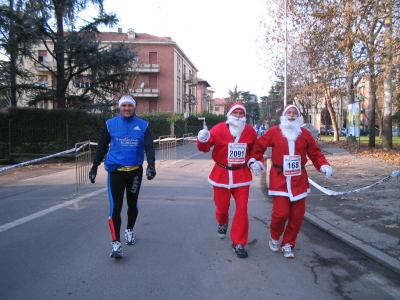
[[57, 247]]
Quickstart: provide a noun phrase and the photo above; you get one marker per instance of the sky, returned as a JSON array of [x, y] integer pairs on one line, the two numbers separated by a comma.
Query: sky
[[222, 38]]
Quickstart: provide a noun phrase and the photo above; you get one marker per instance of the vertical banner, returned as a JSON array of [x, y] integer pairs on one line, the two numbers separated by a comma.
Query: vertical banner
[[353, 119]]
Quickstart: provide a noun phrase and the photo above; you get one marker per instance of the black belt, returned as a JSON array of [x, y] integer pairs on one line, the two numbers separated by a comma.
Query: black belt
[[231, 168], [281, 168]]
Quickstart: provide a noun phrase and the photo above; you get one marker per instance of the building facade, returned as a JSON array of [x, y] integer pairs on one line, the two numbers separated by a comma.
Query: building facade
[[205, 96], [219, 106], [166, 78]]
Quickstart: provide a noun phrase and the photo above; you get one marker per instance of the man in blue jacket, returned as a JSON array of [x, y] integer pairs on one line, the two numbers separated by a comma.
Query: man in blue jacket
[[127, 138]]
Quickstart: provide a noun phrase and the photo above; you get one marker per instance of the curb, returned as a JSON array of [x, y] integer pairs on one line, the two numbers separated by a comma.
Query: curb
[[378, 256]]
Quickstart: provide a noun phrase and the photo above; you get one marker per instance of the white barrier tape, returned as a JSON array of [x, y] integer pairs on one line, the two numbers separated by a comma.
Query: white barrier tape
[[46, 157], [395, 173]]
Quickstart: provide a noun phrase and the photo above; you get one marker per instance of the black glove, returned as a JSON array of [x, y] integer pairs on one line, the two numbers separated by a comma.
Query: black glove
[[150, 172], [92, 174]]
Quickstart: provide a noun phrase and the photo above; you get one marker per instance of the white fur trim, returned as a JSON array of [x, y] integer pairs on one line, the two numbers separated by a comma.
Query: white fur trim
[[229, 186], [290, 106], [290, 196], [242, 107]]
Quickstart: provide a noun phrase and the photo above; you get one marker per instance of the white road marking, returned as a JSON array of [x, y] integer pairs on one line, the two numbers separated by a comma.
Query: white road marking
[[46, 211]]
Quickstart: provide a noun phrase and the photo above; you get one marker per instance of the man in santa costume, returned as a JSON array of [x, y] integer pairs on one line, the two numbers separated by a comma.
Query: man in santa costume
[[291, 144], [232, 141]]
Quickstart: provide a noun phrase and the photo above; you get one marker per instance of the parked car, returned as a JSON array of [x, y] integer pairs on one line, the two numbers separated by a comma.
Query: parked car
[[323, 131], [312, 129], [395, 131], [364, 132], [341, 131]]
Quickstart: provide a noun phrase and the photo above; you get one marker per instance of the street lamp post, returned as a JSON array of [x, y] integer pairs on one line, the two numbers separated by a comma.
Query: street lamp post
[[285, 83]]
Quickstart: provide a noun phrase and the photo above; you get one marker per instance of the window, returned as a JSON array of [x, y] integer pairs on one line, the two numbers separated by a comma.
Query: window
[[42, 54], [83, 82], [153, 82], [153, 58], [42, 80]]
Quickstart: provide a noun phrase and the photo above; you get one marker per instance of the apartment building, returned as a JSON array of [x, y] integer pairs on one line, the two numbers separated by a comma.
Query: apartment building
[[166, 81], [205, 96], [219, 106]]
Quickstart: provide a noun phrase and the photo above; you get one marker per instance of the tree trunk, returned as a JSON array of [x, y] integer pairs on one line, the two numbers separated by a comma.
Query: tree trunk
[[387, 85], [349, 61], [13, 51], [372, 98], [59, 50]]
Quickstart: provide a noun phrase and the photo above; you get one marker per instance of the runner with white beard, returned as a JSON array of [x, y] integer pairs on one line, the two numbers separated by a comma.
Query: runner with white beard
[[291, 144], [232, 142]]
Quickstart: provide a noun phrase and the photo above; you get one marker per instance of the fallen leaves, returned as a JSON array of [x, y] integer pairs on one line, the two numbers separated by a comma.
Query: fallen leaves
[[392, 226], [362, 149]]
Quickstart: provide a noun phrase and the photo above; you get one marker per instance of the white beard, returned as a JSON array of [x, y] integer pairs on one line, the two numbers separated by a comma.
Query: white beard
[[290, 129], [236, 125]]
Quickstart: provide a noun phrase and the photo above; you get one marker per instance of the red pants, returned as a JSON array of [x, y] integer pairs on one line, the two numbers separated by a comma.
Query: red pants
[[240, 223], [284, 210]]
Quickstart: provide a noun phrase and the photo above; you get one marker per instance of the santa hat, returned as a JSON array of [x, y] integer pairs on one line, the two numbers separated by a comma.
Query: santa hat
[[290, 106], [236, 105], [126, 98]]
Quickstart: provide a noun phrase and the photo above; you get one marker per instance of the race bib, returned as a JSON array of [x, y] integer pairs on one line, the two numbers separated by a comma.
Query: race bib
[[237, 153], [291, 165]]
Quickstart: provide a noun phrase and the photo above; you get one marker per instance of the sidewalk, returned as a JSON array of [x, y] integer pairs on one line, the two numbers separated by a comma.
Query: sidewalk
[[368, 220]]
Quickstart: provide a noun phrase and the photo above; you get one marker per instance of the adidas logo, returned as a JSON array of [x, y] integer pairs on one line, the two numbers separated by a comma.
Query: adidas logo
[[136, 128]]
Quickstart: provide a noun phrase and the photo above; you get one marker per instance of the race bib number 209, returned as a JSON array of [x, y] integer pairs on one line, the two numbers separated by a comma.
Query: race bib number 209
[[236, 153]]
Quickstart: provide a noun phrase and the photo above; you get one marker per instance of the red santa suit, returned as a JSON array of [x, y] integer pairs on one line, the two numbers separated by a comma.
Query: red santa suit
[[230, 175], [288, 192], [294, 187], [220, 137]]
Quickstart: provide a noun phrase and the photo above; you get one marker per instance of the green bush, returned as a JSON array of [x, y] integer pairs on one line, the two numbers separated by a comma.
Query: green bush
[[211, 119], [40, 131]]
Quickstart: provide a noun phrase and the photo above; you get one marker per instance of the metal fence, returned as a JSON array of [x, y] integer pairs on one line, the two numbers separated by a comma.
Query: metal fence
[[187, 139], [83, 162], [167, 147]]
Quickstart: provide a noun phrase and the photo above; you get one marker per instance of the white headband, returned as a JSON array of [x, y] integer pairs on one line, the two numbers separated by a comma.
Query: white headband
[[126, 98]]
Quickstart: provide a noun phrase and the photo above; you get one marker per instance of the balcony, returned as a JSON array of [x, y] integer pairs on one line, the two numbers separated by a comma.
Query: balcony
[[189, 99], [186, 78], [82, 84], [46, 66], [148, 68], [193, 83], [148, 93]]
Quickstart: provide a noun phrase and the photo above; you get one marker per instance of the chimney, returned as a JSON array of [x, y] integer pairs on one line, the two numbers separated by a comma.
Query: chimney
[[119, 30]]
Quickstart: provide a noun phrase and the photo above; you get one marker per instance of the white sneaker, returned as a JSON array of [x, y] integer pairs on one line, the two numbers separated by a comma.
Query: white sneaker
[[129, 237], [273, 244], [287, 251], [116, 251]]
